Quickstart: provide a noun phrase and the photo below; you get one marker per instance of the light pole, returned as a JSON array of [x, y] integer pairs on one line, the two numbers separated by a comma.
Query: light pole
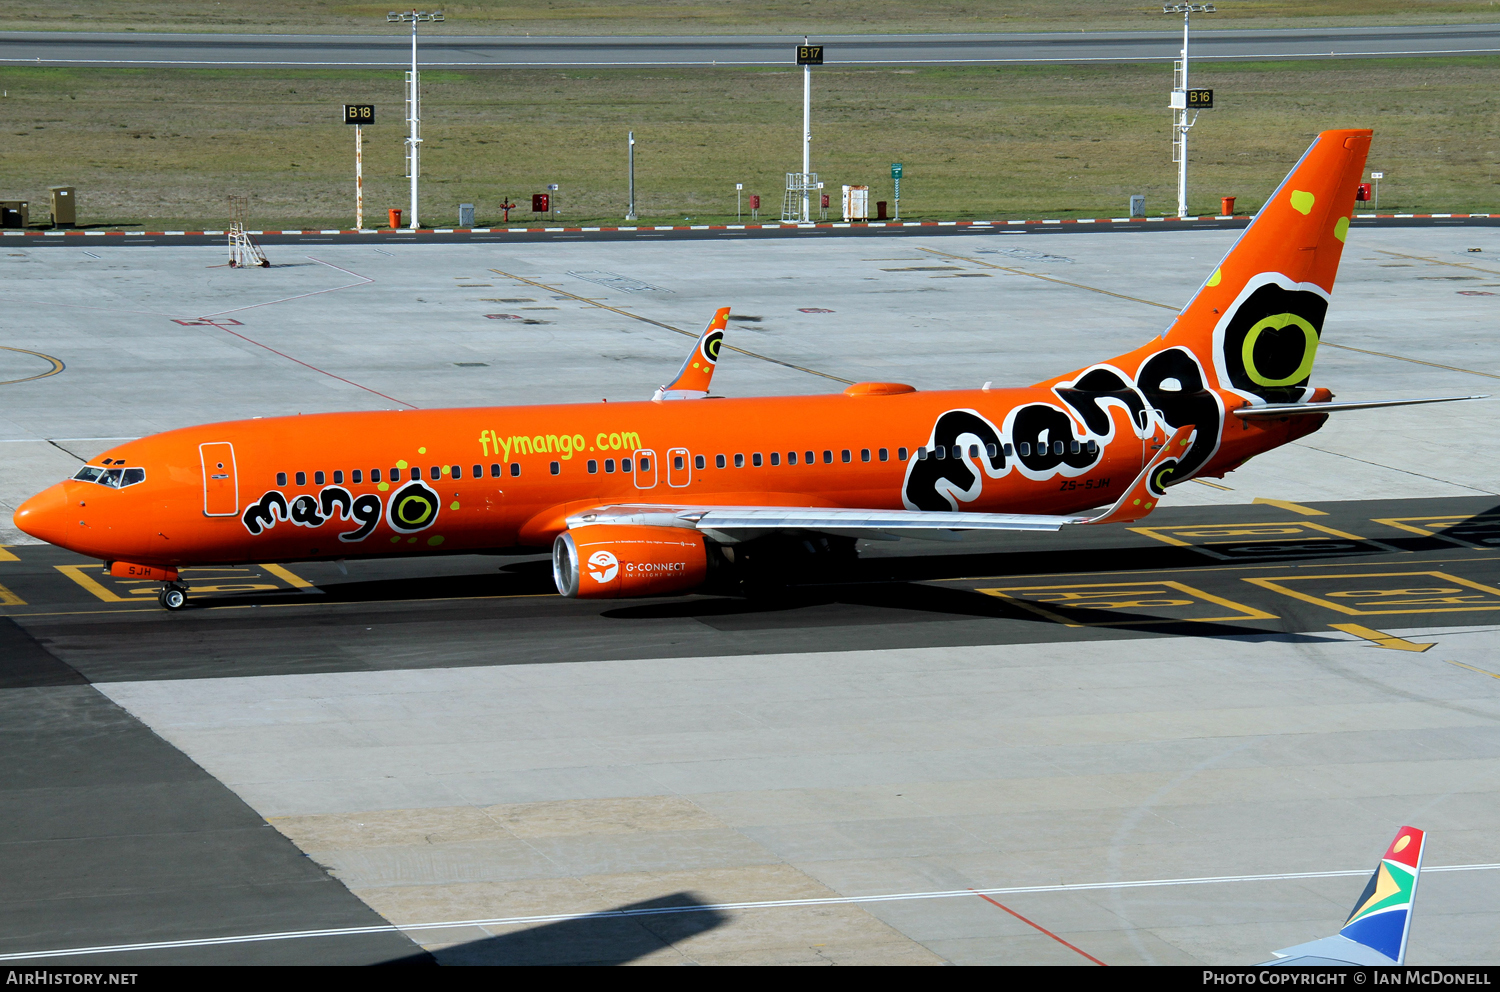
[[413, 108], [1179, 102], [806, 130], [630, 214]]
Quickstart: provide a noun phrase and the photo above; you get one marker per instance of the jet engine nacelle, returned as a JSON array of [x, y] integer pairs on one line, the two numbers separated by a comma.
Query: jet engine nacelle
[[610, 561]]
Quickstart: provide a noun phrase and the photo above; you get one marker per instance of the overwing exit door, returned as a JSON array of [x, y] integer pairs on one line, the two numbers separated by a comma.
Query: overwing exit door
[[679, 472], [221, 489], [645, 468]]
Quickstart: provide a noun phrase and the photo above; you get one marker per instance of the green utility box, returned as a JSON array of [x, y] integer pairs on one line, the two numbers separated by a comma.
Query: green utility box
[[64, 210]]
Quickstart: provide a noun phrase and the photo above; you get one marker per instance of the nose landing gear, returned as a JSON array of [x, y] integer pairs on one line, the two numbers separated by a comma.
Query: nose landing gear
[[173, 597]]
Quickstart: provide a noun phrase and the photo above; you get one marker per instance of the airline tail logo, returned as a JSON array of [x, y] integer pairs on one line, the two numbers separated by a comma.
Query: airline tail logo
[[1266, 343], [603, 566], [1382, 917], [710, 347]]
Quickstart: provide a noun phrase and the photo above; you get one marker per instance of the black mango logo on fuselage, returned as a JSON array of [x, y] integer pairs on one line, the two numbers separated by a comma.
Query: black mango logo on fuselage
[[413, 507]]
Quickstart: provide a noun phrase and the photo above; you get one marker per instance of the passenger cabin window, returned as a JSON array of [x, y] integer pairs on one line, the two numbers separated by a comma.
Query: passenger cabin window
[[281, 478], [755, 459], [864, 454], [557, 468], [319, 478], [396, 475], [515, 469], [338, 477], [921, 454], [477, 472], [496, 470], [846, 456], [900, 454], [1093, 447], [435, 473], [357, 476], [625, 465], [739, 461], [807, 458], [301, 478], [775, 458], [885, 454], [718, 461], [677, 462], [1025, 448], [593, 467], [609, 466], [697, 461], [791, 458], [374, 475], [456, 471]]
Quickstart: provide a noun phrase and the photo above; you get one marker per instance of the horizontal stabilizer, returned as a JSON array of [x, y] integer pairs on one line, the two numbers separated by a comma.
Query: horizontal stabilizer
[[1271, 411]]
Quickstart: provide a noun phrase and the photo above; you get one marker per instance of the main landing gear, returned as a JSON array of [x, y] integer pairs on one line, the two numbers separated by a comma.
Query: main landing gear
[[173, 597]]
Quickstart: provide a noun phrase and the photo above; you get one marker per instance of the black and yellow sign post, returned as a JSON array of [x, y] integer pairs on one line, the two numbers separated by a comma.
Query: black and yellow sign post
[[359, 114]]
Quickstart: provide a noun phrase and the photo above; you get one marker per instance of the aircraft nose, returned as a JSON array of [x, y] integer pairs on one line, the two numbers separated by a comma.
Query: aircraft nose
[[45, 515]]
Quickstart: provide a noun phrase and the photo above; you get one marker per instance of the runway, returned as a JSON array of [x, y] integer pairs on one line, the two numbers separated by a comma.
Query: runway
[[393, 48], [1182, 741]]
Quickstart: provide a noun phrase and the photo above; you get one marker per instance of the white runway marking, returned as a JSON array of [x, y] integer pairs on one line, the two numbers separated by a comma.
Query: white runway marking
[[717, 907]]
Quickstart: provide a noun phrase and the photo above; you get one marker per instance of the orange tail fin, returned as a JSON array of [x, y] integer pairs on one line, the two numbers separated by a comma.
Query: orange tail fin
[[698, 371], [1256, 321], [1252, 329]]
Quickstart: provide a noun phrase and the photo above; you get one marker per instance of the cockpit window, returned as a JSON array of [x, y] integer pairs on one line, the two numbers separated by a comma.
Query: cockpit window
[[114, 478]]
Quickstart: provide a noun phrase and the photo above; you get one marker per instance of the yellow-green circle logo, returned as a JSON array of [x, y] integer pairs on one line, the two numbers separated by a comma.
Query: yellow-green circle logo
[[1275, 324], [413, 507]]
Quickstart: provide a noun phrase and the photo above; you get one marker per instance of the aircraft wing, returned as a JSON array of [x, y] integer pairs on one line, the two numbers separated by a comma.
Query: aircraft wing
[[698, 370], [1375, 932], [733, 524]]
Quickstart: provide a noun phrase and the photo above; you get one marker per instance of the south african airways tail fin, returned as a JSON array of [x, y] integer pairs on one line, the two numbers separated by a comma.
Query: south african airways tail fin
[[698, 371], [1375, 932]]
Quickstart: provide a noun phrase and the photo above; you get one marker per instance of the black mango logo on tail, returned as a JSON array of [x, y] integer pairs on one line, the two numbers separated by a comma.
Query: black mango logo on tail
[[1271, 340]]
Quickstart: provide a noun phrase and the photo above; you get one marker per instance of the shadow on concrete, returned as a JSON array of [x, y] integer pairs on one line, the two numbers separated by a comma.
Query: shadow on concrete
[[619, 936]]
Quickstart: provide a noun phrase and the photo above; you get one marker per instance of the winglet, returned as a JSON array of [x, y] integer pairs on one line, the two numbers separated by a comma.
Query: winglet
[[1147, 489], [698, 371], [1382, 917], [1375, 932]]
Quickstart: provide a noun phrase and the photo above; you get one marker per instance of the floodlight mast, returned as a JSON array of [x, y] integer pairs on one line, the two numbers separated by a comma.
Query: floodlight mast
[[413, 108], [806, 134], [1181, 125]]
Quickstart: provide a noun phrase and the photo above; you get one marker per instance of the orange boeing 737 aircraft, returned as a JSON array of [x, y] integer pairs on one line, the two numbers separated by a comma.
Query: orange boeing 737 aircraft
[[679, 493]]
